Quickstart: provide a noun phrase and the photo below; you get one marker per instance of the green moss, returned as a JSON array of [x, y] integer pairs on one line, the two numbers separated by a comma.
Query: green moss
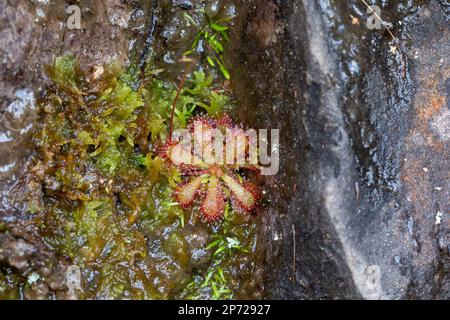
[[108, 195], [65, 73], [109, 159], [121, 101]]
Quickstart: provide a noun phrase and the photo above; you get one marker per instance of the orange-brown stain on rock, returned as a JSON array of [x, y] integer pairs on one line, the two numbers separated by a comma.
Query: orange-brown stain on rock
[[425, 153]]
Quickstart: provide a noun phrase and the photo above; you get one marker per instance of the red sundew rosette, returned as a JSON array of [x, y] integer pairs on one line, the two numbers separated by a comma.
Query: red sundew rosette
[[221, 178]]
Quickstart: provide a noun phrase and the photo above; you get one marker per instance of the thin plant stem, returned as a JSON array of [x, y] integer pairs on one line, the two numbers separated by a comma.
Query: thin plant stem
[[180, 87]]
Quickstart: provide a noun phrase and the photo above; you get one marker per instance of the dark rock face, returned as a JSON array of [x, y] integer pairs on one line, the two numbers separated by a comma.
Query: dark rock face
[[360, 207], [30, 257]]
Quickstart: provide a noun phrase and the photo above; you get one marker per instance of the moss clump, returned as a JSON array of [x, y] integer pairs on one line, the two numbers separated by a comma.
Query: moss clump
[[108, 204]]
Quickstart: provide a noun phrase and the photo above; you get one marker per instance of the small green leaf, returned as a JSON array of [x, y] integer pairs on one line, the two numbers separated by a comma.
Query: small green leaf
[[189, 19], [213, 244], [225, 35], [172, 204], [225, 72], [208, 277], [216, 45], [222, 276], [197, 39], [182, 219], [221, 248], [218, 27], [210, 61], [222, 68], [225, 19]]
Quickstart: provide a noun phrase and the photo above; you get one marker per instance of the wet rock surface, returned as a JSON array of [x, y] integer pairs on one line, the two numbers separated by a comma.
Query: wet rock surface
[[365, 160], [42, 269]]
